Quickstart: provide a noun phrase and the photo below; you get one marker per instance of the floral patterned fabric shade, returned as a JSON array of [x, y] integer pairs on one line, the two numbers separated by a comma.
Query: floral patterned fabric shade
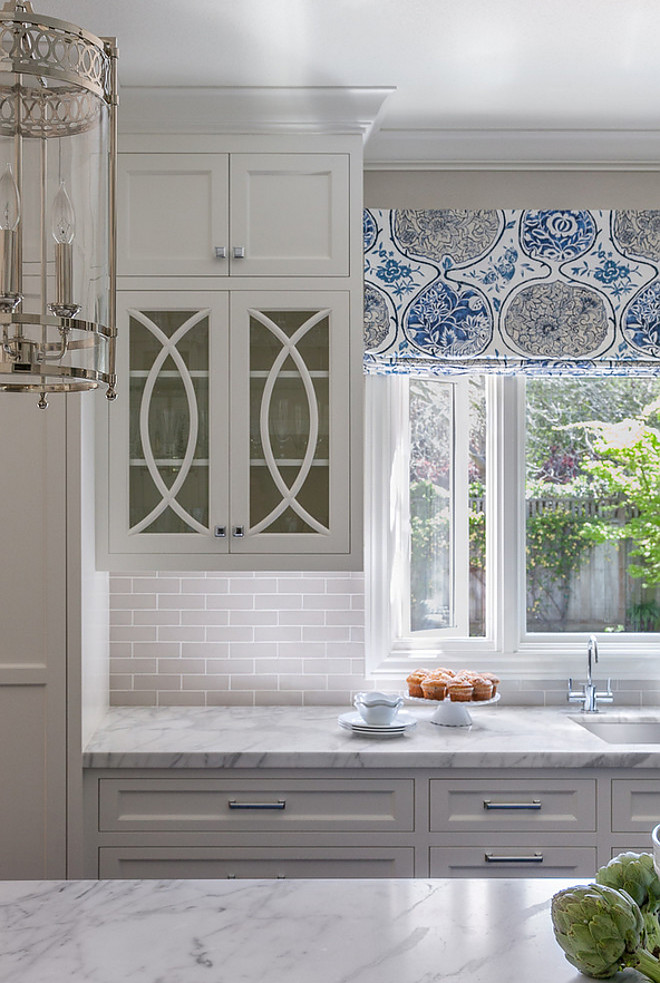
[[507, 290]]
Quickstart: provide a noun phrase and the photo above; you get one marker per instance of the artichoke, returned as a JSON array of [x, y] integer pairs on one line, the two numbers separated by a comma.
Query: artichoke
[[635, 874], [601, 930]]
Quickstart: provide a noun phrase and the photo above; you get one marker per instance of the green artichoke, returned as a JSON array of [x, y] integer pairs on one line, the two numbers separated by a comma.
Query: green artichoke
[[635, 874], [601, 930]]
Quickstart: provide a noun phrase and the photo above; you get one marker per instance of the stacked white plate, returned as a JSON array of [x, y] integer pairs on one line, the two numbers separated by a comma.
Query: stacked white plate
[[402, 723]]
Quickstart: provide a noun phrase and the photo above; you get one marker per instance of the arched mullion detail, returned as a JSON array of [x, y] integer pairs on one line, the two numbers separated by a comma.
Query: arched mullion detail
[[289, 348], [168, 347]]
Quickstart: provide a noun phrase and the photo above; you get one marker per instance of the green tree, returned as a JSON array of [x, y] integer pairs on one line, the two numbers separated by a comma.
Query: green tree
[[628, 465]]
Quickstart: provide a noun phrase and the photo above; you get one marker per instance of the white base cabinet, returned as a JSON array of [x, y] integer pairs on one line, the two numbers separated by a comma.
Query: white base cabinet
[[367, 823]]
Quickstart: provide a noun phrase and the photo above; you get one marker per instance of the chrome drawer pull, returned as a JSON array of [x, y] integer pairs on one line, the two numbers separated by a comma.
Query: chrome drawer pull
[[280, 804], [532, 806], [494, 858]]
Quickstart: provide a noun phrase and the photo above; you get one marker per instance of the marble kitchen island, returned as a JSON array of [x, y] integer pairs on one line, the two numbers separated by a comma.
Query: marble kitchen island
[[300, 931]]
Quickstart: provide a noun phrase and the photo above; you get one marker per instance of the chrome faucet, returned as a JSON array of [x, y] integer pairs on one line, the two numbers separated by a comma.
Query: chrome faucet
[[589, 696]]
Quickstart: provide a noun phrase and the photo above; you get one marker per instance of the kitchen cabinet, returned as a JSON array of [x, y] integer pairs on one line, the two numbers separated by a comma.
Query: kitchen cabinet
[[513, 806], [324, 823], [257, 805], [154, 825], [494, 860], [238, 214], [255, 861], [635, 805], [372, 822], [34, 646], [234, 442]]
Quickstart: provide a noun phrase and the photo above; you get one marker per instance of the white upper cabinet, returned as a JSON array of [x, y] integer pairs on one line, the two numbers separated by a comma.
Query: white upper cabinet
[[234, 439], [242, 214]]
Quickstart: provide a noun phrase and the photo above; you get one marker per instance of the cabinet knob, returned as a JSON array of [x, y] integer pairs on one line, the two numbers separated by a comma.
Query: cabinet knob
[[238, 252], [220, 252], [220, 532], [238, 531]]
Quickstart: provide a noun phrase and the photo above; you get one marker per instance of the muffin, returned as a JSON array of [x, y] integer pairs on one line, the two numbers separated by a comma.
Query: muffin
[[434, 686], [460, 690], [493, 678], [414, 681], [483, 688]]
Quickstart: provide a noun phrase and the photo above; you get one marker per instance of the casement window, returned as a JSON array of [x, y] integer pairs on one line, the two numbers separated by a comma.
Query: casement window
[[495, 529]]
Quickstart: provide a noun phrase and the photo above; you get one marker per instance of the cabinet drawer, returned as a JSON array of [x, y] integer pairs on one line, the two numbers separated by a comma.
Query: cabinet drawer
[[517, 861], [240, 862], [635, 806], [513, 805], [268, 805]]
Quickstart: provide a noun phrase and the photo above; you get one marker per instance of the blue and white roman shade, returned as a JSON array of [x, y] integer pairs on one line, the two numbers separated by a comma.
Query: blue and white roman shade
[[508, 290]]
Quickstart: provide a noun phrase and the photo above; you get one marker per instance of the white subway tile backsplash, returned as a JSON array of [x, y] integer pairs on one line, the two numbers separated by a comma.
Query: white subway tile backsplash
[[245, 639], [181, 602], [180, 633], [155, 617]]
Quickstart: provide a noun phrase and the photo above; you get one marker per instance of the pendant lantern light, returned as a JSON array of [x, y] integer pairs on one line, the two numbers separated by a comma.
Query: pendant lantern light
[[58, 147]]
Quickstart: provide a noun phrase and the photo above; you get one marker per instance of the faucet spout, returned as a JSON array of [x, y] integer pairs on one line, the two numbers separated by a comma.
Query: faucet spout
[[592, 652], [589, 697]]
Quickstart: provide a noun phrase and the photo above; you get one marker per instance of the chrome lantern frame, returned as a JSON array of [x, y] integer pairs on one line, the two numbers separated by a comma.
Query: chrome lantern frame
[[58, 129]]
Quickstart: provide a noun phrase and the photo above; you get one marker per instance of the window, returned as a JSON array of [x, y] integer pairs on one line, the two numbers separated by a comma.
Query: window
[[511, 518]]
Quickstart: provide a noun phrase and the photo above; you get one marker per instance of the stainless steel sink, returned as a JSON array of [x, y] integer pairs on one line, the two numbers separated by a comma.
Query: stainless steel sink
[[622, 731]]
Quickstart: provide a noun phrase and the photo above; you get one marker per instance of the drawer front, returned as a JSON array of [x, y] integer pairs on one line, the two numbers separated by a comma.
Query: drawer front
[[518, 861], [635, 806], [241, 862], [268, 805], [629, 847], [513, 805]]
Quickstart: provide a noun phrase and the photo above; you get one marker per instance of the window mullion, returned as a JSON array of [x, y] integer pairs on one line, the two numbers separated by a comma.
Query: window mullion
[[505, 523], [460, 508]]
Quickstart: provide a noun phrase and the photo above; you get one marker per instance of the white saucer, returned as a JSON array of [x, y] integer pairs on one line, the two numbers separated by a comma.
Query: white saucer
[[355, 723]]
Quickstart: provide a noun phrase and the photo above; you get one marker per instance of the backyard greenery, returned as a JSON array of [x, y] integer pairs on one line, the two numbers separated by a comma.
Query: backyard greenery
[[592, 478]]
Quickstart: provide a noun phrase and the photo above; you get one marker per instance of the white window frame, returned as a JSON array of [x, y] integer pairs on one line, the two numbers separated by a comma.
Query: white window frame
[[507, 646]]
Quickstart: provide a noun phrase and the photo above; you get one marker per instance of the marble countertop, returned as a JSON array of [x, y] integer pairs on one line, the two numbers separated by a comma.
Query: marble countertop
[[310, 737], [329, 931]]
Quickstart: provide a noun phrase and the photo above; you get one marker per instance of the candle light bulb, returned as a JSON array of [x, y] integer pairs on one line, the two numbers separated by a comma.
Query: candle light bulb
[[63, 226], [10, 203]]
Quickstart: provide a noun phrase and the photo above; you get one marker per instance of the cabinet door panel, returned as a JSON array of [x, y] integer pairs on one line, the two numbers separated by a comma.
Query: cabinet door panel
[[265, 805], [290, 422], [289, 212], [511, 805], [169, 438], [240, 862], [635, 806], [172, 214], [536, 860]]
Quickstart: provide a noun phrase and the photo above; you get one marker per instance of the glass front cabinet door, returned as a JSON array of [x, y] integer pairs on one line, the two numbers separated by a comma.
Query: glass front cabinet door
[[232, 433], [289, 477]]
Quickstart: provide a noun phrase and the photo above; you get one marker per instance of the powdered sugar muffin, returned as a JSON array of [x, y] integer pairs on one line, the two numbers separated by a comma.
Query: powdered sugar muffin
[[483, 688], [414, 681], [460, 690], [434, 686]]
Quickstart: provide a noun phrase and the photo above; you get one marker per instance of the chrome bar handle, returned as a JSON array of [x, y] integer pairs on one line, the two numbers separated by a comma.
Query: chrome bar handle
[[494, 858], [280, 804], [533, 806]]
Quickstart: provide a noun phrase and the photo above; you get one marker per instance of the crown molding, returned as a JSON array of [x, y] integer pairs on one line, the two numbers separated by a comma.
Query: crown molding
[[513, 149], [250, 109]]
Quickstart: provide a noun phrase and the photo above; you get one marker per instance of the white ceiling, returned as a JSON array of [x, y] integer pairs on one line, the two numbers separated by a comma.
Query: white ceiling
[[474, 80]]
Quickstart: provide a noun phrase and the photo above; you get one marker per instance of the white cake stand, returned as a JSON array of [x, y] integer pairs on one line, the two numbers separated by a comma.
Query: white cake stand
[[453, 713]]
